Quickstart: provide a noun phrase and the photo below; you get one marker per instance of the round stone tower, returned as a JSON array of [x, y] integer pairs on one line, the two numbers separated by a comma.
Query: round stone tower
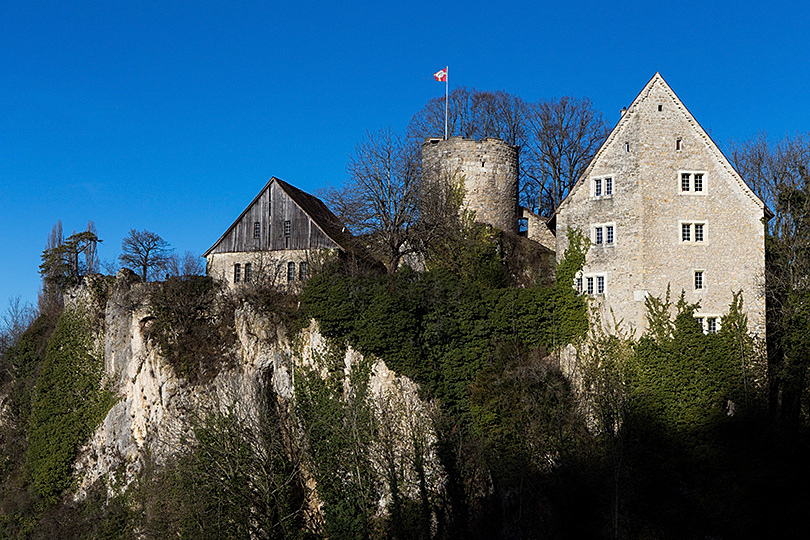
[[489, 170]]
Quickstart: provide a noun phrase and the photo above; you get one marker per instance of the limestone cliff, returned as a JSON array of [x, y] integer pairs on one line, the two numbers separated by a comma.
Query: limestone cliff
[[155, 408]]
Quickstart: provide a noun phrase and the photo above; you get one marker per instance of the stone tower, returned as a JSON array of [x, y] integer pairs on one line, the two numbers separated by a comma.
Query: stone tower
[[489, 169]]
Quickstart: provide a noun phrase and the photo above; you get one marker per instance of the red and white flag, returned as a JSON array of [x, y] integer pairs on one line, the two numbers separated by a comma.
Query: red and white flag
[[441, 75]]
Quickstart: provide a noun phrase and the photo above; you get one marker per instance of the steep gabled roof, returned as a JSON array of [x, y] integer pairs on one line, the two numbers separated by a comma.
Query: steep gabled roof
[[313, 207], [632, 110]]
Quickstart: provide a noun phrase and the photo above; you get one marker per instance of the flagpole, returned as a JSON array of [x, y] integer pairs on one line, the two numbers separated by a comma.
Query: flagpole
[[446, 91]]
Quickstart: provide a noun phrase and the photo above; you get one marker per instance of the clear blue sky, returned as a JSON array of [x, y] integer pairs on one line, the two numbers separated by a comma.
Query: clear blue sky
[[170, 116]]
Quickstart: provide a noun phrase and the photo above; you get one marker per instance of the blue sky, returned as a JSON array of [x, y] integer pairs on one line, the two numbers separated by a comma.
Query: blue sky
[[170, 116]]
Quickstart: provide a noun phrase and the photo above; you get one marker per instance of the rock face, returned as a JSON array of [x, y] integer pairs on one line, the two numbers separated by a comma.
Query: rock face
[[156, 407]]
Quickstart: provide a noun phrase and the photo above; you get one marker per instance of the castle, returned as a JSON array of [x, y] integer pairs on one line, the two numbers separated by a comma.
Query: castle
[[662, 206]]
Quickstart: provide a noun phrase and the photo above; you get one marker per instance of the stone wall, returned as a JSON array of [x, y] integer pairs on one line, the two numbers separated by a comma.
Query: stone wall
[[656, 141], [489, 169]]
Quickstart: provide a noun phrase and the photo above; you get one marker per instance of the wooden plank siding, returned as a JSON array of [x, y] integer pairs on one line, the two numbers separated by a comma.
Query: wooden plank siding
[[272, 208]]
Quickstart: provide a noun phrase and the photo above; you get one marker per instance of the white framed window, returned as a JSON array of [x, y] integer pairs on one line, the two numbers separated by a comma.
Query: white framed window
[[578, 284], [709, 323], [602, 187], [700, 280], [691, 182], [603, 234], [595, 284], [693, 232]]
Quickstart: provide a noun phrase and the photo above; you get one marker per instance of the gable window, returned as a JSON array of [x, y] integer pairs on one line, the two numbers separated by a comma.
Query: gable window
[[602, 187], [290, 271], [693, 232], [302, 271], [237, 272], [257, 229], [248, 272], [700, 282], [287, 232], [692, 183]]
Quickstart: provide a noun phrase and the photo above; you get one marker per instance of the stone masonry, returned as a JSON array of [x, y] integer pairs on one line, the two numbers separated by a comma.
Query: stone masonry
[[663, 207], [489, 169]]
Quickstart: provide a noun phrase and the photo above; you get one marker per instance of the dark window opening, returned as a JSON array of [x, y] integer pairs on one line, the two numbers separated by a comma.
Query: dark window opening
[[237, 272], [248, 272], [660, 108], [678, 144], [257, 229], [290, 271], [302, 271]]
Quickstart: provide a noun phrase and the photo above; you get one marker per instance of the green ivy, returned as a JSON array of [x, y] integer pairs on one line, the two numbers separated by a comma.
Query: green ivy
[[68, 403]]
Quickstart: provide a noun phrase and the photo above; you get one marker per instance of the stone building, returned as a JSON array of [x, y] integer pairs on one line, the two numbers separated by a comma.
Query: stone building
[[489, 171], [275, 239], [663, 207]]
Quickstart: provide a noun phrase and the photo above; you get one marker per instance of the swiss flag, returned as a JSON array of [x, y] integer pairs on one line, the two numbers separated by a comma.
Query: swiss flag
[[441, 75]]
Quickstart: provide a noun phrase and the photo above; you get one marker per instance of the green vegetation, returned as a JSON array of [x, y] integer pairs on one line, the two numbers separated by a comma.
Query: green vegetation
[[68, 403]]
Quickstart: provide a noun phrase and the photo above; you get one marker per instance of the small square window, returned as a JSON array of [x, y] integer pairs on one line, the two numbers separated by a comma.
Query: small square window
[[608, 186], [686, 232], [597, 187], [248, 272], [290, 271], [257, 229], [699, 281], [685, 182], [698, 182], [600, 284], [698, 232], [237, 272], [598, 235], [609, 234], [590, 285]]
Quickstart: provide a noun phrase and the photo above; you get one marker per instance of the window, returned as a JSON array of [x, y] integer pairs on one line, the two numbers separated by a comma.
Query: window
[[302, 271], [257, 229], [595, 284], [602, 187], [579, 285], [603, 234], [660, 108], [248, 271], [678, 144], [693, 232], [699, 280], [287, 231], [627, 147], [237, 272], [709, 324], [692, 183], [290, 271]]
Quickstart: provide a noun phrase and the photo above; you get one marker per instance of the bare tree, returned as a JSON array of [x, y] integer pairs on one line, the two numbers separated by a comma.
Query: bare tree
[[381, 197], [16, 320], [146, 252], [779, 172], [185, 265], [564, 135]]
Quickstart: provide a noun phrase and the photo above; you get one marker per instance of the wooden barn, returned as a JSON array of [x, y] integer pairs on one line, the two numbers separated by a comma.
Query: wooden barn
[[276, 237]]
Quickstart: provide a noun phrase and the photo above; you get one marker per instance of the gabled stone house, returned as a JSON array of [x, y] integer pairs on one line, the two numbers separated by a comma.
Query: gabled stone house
[[277, 237], [663, 207]]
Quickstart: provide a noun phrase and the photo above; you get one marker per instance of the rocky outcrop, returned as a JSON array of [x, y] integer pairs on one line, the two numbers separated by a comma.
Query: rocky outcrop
[[156, 407]]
